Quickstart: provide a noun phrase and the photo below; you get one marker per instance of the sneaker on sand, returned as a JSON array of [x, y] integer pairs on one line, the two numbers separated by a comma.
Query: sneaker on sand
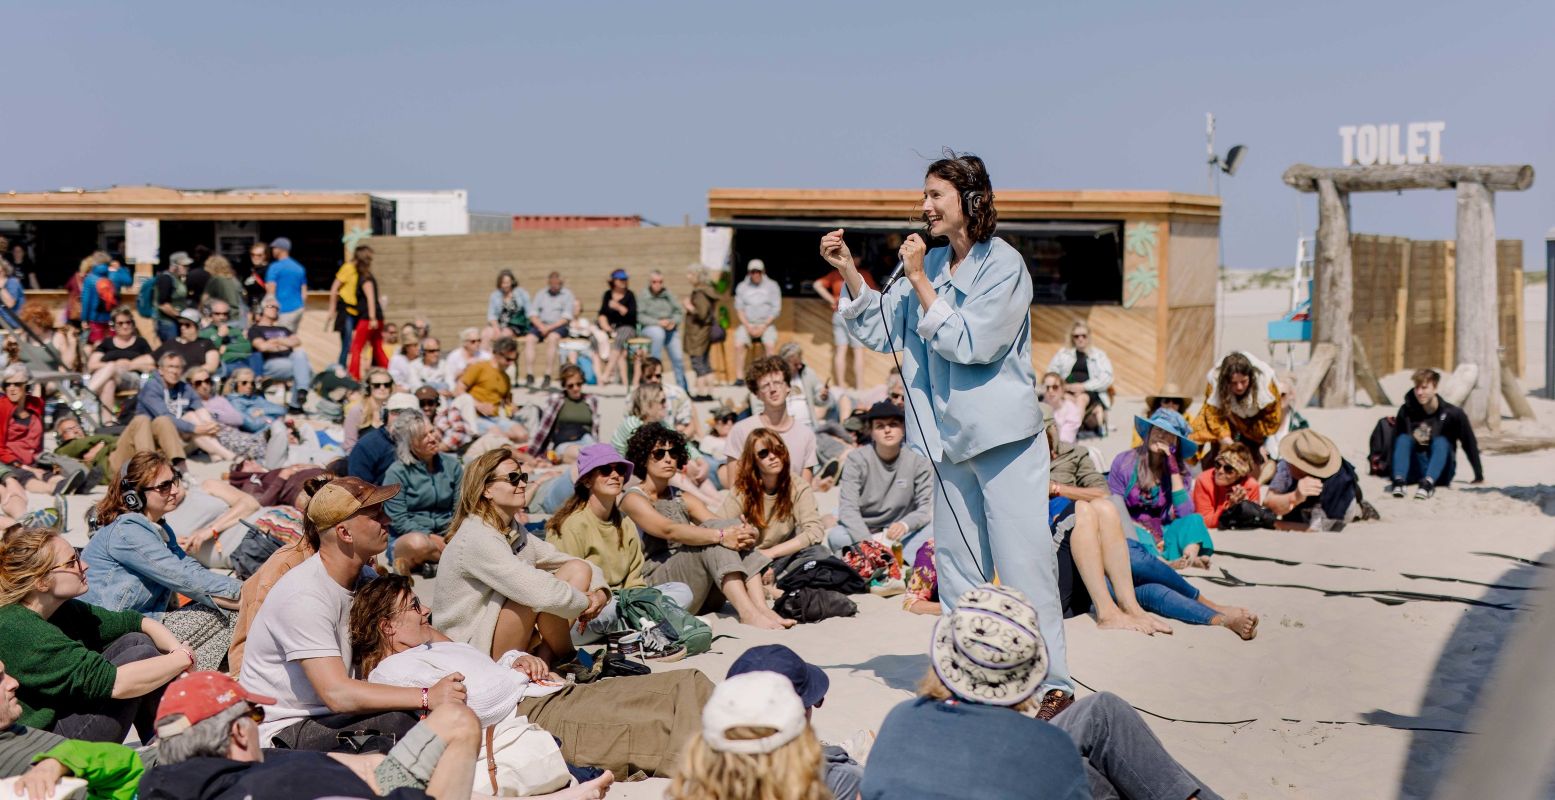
[[858, 745], [1425, 490], [1397, 488], [890, 587]]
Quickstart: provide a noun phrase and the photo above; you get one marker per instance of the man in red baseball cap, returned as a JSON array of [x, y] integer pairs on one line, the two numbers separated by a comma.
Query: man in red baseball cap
[[209, 748]]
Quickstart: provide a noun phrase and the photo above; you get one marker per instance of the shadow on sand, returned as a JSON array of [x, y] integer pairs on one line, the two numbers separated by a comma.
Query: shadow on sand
[[895, 671], [1466, 662], [1541, 495]]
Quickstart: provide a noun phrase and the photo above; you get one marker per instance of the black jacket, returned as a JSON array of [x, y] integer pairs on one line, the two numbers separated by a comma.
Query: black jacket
[[283, 775], [1450, 423]]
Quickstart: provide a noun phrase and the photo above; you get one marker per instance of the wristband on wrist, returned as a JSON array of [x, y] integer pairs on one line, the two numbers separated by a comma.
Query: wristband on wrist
[[425, 696], [721, 533]]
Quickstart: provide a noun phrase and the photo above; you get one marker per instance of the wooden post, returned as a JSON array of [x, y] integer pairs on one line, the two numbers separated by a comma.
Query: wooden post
[[1332, 302], [1476, 329]]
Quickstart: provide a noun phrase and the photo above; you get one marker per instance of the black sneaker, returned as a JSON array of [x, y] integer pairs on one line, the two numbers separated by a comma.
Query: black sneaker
[[1397, 488], [1426, 489], [68, 484]]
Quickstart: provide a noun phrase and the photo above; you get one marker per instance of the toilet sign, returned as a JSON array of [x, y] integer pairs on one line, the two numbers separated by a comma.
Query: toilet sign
[[1392, 144]]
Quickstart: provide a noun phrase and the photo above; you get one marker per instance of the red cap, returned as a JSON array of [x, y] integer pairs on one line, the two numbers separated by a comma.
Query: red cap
[[197, 697]]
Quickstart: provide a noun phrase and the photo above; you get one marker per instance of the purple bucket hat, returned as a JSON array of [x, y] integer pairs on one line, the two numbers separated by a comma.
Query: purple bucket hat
[[598, 455]]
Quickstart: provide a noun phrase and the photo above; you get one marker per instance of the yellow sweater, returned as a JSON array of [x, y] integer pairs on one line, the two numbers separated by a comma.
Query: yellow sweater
[[617, 553]]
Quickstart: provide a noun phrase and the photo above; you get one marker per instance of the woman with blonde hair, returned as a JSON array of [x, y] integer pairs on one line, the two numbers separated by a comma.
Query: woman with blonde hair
[[498, 586], [755, 743], [648, 407], [223, 284], [366, 413], [242, 391], [85, 672]]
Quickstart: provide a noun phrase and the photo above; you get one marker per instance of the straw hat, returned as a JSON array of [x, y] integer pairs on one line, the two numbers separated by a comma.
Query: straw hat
[[1311, 452], [990, 649], [1167, 391]]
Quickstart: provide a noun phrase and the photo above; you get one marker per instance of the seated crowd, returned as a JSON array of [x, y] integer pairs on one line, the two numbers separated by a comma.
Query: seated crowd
[[261, 634]]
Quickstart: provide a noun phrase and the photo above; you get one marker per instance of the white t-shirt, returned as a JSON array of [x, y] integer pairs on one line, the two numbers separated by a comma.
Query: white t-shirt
[[456, 362], [799, 438], [306, 615], [494, 687]]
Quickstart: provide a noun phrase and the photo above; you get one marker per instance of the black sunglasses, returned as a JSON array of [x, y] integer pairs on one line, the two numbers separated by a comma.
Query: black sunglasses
[[763, 452], [664, 452], [9, 384], [611, 469], [200, 382], [166, 486], [380, 385], [514, 478]]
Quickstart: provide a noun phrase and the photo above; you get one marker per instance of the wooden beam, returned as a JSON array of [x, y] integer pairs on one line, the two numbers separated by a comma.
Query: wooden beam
[[1512, 392], [1496, 177], [1368, 378], [1476, 328], [1309, 376], [1332, 297]]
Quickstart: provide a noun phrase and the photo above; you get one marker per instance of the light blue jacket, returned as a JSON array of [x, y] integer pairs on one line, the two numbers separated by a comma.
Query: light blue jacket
[[494, 304], [134, 564], [966, 361], [246, 403]]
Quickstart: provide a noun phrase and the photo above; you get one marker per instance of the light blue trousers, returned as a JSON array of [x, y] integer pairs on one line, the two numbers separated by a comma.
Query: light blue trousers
[[1000, 498]]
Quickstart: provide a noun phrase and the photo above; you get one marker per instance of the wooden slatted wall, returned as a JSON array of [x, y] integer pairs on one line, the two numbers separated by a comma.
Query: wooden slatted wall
[[1379, 295]]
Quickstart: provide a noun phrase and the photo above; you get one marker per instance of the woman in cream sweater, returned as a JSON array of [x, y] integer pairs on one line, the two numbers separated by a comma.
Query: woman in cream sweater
[[497, 585]]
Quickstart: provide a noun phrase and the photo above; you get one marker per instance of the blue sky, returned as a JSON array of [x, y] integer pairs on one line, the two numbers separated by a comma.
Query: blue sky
[[620, 108]]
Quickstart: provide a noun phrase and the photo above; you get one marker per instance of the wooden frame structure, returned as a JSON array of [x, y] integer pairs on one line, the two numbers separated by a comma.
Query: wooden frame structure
[[1475, 334]]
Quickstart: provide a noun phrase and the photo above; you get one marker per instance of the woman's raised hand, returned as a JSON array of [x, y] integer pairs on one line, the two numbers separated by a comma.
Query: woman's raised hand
[[911, 253], [836, 252]]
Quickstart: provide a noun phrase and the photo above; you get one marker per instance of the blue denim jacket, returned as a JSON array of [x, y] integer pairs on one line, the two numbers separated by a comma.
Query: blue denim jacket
[[134, 564], [966, 360], [246, 403]]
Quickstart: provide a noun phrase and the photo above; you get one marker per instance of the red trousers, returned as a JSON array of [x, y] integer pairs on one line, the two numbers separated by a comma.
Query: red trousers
[[367, 333]]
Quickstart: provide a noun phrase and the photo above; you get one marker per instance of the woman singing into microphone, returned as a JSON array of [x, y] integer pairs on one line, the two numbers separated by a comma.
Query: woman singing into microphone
[[962, 319]]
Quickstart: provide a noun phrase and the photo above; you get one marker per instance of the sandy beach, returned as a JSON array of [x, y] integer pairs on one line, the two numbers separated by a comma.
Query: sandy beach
[[1367, 636]]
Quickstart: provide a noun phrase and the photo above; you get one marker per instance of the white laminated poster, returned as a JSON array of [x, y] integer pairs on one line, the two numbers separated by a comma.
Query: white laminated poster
[[717, 242], [142, 241]]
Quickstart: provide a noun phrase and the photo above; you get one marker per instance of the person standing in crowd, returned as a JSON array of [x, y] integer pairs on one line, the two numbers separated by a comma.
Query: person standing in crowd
[[369, 323], [198, 276], [85, 672], [1427, 432], [254, 278], [962, 316], [507, 309], [100, 296], [287, 282], [223, 285], [281, 350], [171, 294], [551, 311], [23, 266], [756, 742], [660, 316], [618, 315], [343, 309], [701, 309], [1241, 404], [830, 288], [118, 360], [885, 488], [757, 302], [1086, 369]]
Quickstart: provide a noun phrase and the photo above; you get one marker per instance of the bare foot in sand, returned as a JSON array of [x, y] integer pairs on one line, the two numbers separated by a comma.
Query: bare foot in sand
[[1156, 624], [1239, 621], [1202, 562], [766, 622], [918, 605], [781, 620], [590, 790], [1119, 621]]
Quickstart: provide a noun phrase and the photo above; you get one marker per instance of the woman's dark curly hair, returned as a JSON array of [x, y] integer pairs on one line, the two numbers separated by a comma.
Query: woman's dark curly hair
[[640, 447], [967, 173]]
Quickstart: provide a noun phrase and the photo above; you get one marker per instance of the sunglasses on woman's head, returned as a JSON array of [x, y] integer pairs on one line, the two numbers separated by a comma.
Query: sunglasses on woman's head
[[514, 478]]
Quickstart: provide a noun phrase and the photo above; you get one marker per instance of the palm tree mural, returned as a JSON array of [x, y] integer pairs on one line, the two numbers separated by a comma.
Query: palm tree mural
[[1145, 278]]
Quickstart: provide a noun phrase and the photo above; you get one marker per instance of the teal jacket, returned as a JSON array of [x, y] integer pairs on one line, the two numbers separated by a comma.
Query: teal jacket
[[966, 360], [427, 498]]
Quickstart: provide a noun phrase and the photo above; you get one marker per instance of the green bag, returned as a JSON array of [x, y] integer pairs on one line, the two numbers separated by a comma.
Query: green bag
[[687, 631]]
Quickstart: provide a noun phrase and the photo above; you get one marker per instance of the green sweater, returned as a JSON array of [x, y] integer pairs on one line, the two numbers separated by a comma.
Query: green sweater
[[58, 661], [75, 448]]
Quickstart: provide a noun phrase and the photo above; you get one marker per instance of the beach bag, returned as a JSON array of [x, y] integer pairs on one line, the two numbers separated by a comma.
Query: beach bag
[[1245, 515], [146, 298], [518, 759], [716, 333], [828, 572], [1379, 458], [678, 624], [871, 560], [811, 604]]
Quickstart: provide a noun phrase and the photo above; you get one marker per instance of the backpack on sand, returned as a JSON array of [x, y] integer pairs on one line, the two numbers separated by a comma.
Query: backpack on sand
[[679, 624], [829, 572], [809, 604]]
